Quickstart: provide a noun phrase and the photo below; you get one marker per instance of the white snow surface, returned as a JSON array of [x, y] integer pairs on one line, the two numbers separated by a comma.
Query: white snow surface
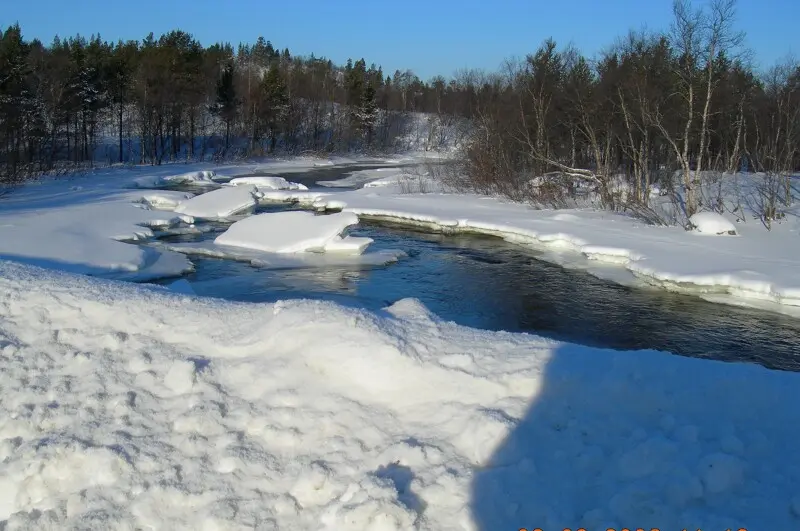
[[85, 231], [292, 232], [712, 223], [361, 178], [221, 203], [196, 178], [267, 183], [125, 407]]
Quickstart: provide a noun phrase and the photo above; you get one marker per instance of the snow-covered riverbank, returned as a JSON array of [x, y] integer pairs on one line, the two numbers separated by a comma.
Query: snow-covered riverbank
[[77, 224], [757, 267], [83, 223]]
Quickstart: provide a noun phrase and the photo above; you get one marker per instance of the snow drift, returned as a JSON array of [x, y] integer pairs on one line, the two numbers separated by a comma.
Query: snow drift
[[711, 223], [195, 178], [129, 407]]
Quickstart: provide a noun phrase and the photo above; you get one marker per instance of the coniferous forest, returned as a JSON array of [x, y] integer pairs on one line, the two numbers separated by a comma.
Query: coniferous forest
[[170, 98], [650, 107]]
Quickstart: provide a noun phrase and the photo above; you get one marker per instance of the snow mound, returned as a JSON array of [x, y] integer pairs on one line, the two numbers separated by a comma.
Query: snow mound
[[267, 183], [221, 203], [293, 232], [162, 201], [711, 223], [195, 178], [130, 408]]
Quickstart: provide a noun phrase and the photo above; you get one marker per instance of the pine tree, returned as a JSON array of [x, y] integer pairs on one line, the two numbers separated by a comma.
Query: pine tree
[[226, 103], [355, 83], [15, 98], [120, 82], [368, 114], [276, 103]]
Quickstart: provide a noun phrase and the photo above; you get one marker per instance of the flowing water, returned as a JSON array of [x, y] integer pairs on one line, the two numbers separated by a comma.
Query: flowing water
[[487, 283]]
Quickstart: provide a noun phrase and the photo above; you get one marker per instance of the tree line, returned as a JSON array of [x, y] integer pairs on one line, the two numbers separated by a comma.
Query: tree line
[[656, 112], [171, 98]]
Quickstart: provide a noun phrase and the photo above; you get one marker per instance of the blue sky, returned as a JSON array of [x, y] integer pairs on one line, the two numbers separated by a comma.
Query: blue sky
[[427, 36]]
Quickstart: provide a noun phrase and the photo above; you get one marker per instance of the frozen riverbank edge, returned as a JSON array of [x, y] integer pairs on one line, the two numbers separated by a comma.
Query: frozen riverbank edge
[[756, 268]]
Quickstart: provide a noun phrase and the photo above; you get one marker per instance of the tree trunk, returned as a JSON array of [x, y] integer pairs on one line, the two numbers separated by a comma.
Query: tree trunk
[[691, 197], [120, 133], [190, 152]]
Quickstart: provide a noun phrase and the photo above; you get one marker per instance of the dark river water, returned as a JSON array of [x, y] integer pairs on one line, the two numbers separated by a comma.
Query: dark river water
[[487, 283]]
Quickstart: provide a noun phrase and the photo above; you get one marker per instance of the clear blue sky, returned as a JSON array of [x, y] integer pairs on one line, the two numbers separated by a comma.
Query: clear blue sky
[[427, 36]]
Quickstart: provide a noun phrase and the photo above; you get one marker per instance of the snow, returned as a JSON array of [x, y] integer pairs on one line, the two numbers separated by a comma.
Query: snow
[[292, 232], [350, 244], [221, 203], [267, 183], [361, 178], [195, 178], [74, 231], [86, 223], [386, 181], [126, 407], [711, 223]]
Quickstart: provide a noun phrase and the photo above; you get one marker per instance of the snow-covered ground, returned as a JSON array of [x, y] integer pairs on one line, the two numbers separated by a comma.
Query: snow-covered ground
[[84, 229], [131, 407]]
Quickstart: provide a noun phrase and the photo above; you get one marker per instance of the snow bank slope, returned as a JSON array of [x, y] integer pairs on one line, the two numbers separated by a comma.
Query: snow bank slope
[[129, 407], [80, 231]]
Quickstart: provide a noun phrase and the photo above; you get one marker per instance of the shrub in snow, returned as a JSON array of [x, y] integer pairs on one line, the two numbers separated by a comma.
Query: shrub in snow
[[711, 223]]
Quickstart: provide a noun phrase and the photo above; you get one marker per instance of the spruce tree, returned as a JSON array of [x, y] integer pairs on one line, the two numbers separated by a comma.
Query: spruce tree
[[368, 114], [276, 103], [226, 104]]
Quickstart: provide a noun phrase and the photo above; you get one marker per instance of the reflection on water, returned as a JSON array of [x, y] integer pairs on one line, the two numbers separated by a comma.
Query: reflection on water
[[486, 283]]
